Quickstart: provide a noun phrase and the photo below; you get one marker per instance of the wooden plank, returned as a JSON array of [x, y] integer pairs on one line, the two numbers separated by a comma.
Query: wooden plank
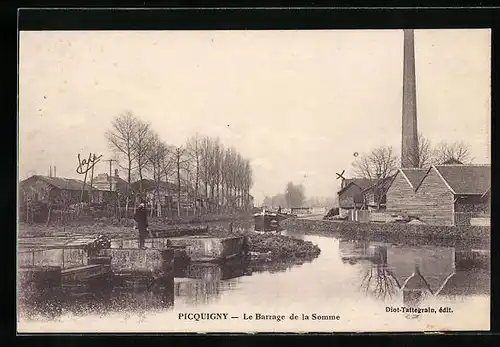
[[85, 272]]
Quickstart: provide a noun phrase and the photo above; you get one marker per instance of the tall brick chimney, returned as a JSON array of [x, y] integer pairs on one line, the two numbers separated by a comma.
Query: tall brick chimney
[[409, 143]]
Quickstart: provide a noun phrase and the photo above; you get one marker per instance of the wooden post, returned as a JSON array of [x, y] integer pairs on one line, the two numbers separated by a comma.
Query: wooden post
[[119, 213], [48, 214], [83, 188], [91, 180], [27, 210]]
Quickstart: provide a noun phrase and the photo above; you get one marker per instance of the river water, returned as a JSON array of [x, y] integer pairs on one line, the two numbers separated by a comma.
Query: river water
[[353, 286]]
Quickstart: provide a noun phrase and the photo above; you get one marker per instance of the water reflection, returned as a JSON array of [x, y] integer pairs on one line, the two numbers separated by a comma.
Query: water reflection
[[379, 279], [417, 271], [352, 271]]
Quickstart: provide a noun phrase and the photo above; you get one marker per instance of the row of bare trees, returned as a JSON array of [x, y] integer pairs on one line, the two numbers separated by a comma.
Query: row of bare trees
[[383, 161], [202, 169]]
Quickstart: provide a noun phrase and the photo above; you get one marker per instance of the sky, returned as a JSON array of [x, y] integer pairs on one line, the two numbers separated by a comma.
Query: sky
[[297, 104]]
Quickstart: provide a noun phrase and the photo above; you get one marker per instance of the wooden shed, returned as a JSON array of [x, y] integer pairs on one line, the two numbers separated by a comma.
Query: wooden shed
[[401, 194], [58, 191], [446, 195], [350, 194]]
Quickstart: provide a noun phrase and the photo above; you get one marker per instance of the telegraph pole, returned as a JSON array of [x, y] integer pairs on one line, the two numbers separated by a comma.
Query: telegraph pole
[[110, 168]]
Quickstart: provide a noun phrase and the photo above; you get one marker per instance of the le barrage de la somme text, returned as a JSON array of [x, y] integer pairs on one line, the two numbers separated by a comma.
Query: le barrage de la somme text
[[256, 316]]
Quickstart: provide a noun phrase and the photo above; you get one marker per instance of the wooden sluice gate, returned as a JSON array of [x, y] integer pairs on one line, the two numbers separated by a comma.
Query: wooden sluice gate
[[190, 248], [56, 269], [210, 249], [80, 268]]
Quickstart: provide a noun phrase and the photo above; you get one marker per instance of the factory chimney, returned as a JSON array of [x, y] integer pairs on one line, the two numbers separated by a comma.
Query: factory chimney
[[409, 145]]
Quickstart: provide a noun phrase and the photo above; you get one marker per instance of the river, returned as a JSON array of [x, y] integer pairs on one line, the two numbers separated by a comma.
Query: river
[[351, 286]]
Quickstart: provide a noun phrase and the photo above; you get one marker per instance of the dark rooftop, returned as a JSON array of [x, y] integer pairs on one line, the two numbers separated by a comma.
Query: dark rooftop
[[415, 176], [60, 182], [466, 179]]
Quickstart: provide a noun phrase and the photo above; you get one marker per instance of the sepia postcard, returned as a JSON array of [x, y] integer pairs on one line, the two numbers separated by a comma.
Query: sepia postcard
[[254, 181]]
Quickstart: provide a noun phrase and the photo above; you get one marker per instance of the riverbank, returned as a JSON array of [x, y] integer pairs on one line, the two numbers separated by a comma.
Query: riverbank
[[261, 247], [270, 247], [394, 232]]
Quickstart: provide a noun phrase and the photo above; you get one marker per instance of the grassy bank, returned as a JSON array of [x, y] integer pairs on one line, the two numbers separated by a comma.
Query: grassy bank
[[275, 247], [394, 232]]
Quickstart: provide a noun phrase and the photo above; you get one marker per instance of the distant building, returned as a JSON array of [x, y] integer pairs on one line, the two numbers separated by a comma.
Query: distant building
[[445, 195], [301, 210], [350, 195], [452, 161], [104, 181], [58, 191], [401, 194], [374, 197]]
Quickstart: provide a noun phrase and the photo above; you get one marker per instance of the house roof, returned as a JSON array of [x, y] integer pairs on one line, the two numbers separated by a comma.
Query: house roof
[[148, 184], [452, 161], [59, 182], [104, 178], [362, 183], [413, 175], [466, 179], [384, 184]]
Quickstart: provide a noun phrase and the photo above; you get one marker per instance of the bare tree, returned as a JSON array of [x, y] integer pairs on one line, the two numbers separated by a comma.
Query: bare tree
[[180, 162], [247, 182], [380, 163], [228, 175], [195, 153], [206, 162], [456, 151], [156, 157], [142, 141], [218, 151], [121, 141], [168, 168], [424, 157]]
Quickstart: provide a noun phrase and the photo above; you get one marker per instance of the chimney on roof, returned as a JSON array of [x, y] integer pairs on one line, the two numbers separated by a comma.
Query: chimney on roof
[[50, 171], [116, 173], [55, 171]]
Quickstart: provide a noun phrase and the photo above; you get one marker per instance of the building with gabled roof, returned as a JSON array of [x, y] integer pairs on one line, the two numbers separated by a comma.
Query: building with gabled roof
[[58, 191], [375, 196], [401, 193], [443, 194], [350, 195]]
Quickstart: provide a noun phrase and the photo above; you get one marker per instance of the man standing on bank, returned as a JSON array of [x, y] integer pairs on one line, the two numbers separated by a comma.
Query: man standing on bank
[[141, 218]]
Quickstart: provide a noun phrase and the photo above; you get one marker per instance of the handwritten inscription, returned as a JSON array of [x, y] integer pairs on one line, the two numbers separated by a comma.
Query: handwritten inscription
[[86, 165]]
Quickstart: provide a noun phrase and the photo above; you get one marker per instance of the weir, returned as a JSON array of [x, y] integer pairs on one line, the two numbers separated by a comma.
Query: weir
[[196, 248]]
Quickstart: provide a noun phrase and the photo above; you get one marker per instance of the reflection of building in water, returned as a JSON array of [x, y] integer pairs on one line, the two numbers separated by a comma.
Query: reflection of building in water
[[353, 250], [435, 264], [143, 300], [465, 282], [195, 292], [415, 289], [418, 271], [203, 283], [379, 279]]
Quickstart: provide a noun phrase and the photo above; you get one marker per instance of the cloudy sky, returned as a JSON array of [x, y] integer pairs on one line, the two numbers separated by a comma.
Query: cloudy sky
[[298, 104]]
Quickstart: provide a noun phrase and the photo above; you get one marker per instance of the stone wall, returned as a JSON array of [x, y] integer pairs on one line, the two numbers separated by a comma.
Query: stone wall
[[63, 257], [153, 261], [210, 248]]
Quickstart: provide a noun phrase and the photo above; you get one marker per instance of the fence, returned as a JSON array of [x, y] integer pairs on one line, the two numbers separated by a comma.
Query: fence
[[467, 218], [359, 216]]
